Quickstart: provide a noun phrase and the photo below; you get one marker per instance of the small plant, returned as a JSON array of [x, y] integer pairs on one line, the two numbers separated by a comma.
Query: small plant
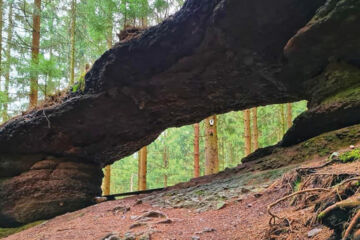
[[350, 156]]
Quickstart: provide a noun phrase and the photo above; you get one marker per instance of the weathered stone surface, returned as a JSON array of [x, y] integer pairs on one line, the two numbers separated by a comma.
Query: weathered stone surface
[[213, 56], [48, 188]]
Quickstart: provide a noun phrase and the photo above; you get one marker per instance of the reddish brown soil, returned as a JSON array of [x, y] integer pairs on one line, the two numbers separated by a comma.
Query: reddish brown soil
[[245, 219]]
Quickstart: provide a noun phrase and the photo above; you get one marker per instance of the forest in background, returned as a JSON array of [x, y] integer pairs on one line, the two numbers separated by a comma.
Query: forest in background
[[170, 159], [45, 47]]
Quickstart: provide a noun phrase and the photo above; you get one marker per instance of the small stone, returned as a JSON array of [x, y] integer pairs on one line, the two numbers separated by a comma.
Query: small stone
[[111, 236], [138, 202], [314, 232], [129, 236], [244, 190], [152, 214], [352, 146], [195, 238], [249, 205], [209, 230], [257, 195], [220, 205], [166, 221], [138, 224], [334, 155]]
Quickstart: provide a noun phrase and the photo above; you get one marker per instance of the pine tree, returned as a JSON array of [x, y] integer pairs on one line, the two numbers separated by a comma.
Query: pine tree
[[289, 115], [166, 160], [1, 38], [247, 132], [72, 42], [35, 49], [142, 172], [107, 180], [255, 130], [196, 150], [5, 115], [211, 146]]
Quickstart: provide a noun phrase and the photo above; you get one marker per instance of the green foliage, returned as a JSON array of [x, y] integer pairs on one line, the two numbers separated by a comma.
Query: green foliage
[[179, 144], [4, 232], [350, 156]]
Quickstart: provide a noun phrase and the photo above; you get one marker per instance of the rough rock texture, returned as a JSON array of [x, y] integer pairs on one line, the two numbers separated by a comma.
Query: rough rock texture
[[48, 188], [213, 56]]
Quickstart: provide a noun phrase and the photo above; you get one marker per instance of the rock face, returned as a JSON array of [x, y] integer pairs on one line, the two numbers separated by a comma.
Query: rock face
[[211, 57], [48, 188]]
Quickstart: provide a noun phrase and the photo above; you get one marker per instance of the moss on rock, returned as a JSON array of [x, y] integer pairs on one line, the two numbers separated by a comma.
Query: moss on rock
[[4, 232]]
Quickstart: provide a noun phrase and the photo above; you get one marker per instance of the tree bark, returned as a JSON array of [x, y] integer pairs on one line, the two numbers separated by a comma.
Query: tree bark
[[142, 169], [196, 150], [211, 146], [35, 48], [255, 129], [247, 132], [72, 54], [107, 180], [5, 115], [289, 115], [282, 120], [1, 27], [166, 160]]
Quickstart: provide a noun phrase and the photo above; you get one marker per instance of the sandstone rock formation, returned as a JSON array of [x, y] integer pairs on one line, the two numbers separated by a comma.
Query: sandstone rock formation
[[211, 57]]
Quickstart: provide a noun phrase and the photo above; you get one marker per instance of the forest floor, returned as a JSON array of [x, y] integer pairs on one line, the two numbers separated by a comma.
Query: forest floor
[[227, 208]]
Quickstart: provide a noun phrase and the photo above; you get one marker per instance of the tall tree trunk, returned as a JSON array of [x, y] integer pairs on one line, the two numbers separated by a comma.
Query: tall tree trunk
[[72, 37], [166, 160], [1, 28], [107, 180], [282, 119], [211, 146], [5, 115], [232, 154], [107, 174], [289, 115], [132, 182], [142, 169], [255, 129], [247, 132], [196, 150], [35, 49]]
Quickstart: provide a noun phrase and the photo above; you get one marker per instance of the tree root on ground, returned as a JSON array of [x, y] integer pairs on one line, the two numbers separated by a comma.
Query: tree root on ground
[[274, 216], [345, 189]]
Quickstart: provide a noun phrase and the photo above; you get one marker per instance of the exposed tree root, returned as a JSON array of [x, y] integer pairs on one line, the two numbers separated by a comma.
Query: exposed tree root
[[274, 216], [308, 170], [347, 189], [353, 223], [351, 202]]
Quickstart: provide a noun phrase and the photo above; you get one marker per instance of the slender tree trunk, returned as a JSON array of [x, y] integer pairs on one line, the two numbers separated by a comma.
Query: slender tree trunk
[[196, 150], [132, 182], [142, 169], [211, 146], [125, 14], [255, 129], [232, 154], [247, 132], [107, 180], [107, 174], [72, 37], [282, 119], [35, 49], [166, 160], [5, 115], [1, 38], [289, 115]]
